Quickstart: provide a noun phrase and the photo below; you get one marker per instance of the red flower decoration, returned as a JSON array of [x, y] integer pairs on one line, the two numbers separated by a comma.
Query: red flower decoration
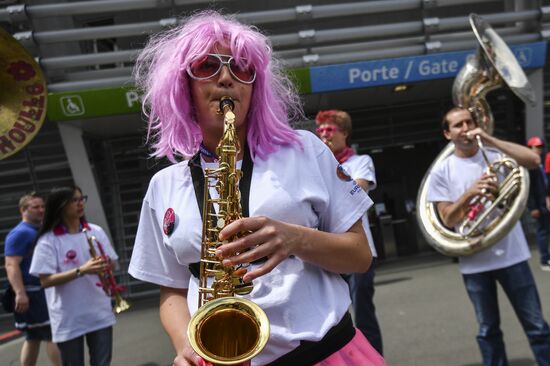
[[21, 71]]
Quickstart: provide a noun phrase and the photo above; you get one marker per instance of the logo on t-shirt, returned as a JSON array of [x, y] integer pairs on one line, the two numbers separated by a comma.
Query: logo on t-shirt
[[342, 174], [169, 222], [70, 257], [356, 188]]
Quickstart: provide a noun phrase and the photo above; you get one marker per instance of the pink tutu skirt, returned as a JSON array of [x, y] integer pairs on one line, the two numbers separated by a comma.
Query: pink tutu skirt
[[358, 352]]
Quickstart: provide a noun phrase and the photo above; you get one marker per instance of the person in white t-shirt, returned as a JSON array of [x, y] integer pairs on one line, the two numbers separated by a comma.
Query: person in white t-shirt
[[453, 184], [79, 309], [334, 128], [305, 225]]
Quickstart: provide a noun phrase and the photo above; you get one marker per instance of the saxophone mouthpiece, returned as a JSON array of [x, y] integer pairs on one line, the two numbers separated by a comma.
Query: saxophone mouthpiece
[[226, 101]]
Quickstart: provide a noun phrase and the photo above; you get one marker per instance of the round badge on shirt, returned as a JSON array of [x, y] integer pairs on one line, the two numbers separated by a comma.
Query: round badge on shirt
[[169, 222], [342, 174]]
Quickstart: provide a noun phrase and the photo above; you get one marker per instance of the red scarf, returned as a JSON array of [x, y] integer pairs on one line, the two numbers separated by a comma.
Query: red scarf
[[345, 154], [61, 229]]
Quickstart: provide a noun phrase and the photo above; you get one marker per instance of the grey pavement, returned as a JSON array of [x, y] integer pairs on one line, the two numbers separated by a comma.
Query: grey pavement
[[427, 318], [422, 306]]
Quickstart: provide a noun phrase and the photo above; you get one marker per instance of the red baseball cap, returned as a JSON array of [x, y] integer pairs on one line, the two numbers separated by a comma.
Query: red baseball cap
[[535, 141]]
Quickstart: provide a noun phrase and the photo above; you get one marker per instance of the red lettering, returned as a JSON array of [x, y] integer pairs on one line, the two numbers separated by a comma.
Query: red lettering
[[25, 125], [35, 89], [34, 102], [35, 114], [17, 135], [6, 145]]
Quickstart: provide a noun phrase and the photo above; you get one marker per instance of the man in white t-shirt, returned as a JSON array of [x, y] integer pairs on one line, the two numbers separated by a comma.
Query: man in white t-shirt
[[334, 128], [453, 184]]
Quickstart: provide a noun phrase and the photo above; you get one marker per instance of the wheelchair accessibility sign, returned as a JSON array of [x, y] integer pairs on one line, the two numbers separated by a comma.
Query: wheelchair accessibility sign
[[67, 106], [72, 105]]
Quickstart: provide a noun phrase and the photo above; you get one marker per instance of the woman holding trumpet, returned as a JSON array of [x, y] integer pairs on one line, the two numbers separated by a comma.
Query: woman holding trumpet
[[304, 225], [78, 306]]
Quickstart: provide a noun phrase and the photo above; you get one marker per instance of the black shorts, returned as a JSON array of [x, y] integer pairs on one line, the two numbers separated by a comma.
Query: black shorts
[[37, 314], [43, 333]]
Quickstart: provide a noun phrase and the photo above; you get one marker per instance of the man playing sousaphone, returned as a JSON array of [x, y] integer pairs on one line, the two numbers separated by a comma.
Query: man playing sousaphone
[[456, 184]]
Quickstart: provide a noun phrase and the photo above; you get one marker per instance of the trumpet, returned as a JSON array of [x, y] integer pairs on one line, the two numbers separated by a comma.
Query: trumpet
[[107, 279]]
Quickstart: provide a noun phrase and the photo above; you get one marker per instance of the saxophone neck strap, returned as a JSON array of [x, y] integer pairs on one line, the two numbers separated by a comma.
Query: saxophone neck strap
[[203, 150], [197, 175]]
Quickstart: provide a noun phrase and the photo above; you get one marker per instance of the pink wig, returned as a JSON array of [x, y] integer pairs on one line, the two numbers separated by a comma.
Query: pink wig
[[160, 72]]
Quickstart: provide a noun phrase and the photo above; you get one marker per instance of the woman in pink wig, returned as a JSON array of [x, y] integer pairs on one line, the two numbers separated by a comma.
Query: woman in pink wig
[[304, 221]]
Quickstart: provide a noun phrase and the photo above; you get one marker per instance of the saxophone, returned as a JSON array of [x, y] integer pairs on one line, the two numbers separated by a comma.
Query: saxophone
[[225, 330]]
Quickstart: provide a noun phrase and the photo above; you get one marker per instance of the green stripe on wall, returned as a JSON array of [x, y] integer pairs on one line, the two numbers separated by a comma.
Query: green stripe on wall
[[84, 104]]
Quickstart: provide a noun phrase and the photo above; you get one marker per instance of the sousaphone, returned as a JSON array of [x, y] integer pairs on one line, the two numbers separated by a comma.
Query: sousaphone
[[492, 67], [23, 96]]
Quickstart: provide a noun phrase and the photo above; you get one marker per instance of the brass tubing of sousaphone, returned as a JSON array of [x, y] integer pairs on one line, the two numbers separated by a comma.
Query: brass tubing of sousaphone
[[451, 243], [23, 96]]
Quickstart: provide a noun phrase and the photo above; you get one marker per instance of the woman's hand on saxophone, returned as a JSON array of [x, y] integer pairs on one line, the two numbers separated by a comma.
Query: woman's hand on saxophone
[[188, 357], [276, 240], [182, 360], [267, 238]]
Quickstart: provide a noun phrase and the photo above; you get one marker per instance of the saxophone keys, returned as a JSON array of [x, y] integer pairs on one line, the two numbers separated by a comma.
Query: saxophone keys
[[243, 288]]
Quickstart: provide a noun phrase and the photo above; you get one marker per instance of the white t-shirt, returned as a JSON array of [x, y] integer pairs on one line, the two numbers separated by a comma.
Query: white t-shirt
[[301, 300], [78, 306], [448, 181], [362, 167]]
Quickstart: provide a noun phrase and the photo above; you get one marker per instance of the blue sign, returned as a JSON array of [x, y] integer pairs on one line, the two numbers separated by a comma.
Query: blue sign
[[409, 69]]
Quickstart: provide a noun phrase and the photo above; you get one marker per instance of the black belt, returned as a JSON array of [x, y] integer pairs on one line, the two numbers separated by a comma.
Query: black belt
[[310, 353]]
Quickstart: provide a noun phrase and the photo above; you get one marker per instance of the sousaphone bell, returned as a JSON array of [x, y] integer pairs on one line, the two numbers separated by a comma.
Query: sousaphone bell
[[23, 96]]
